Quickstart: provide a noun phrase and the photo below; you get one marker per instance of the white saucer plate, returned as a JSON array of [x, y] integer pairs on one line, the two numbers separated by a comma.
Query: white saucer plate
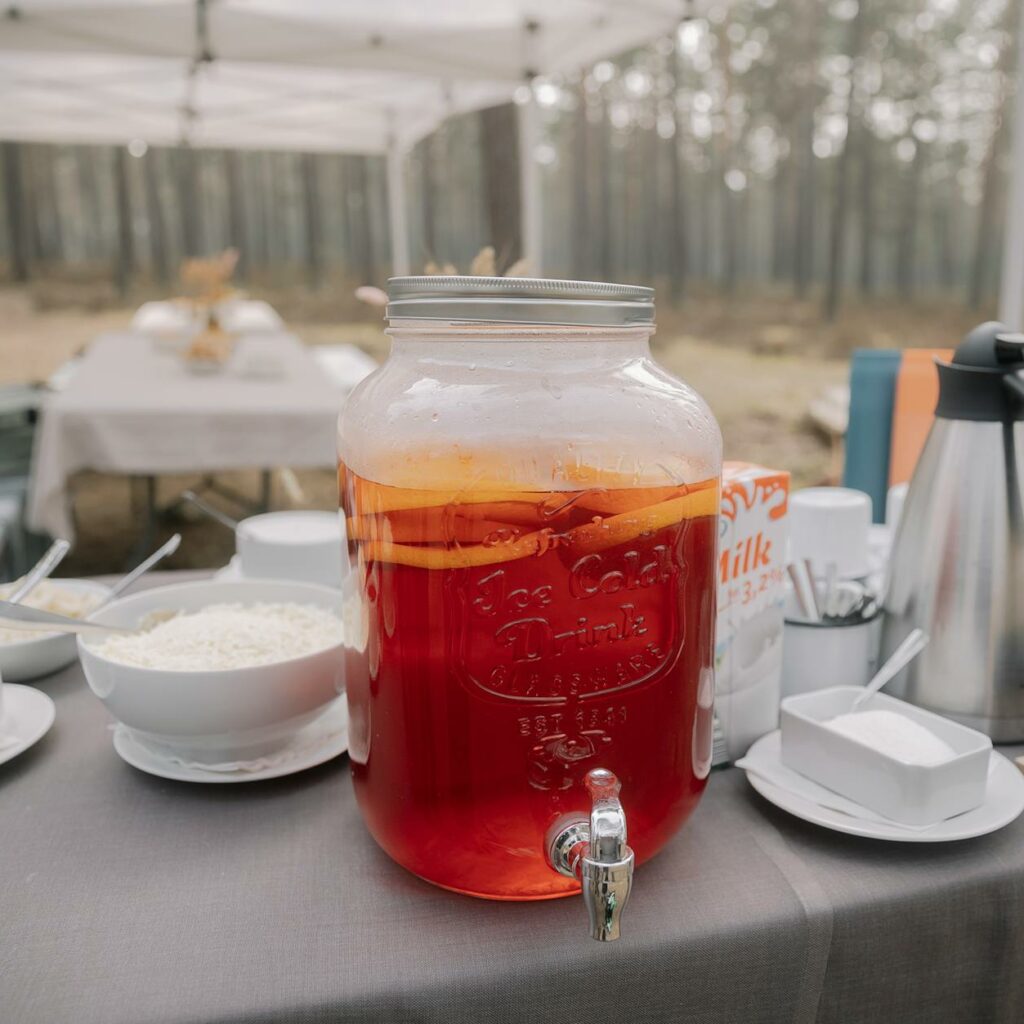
[[27, 716], [320, 741], [1003, 803], [231, 571]]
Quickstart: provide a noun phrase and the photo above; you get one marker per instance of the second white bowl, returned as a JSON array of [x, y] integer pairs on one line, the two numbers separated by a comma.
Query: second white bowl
[[45, 653]]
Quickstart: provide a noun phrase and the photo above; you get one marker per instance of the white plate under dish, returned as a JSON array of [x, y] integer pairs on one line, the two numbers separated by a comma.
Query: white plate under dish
[[28, 715], [231, 571], [320, 741], [803, 798]]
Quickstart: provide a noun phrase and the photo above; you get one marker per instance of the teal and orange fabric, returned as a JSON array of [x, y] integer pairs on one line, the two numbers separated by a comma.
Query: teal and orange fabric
[[917, 391], [892, 405], [873, 374]]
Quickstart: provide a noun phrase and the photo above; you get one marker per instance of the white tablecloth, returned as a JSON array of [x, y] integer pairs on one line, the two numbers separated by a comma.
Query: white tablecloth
[[133, 408]]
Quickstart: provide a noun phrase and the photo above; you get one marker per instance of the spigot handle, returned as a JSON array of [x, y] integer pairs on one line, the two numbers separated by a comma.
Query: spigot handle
[[607, 818], [596, 853]]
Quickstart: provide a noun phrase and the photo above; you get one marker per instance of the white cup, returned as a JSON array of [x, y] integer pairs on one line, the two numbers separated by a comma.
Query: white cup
[[293, 545], [817, 655], [831, 524], [894, 505]]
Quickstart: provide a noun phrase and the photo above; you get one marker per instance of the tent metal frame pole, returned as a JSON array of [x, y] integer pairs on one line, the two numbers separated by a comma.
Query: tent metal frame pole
[[531, 207], [398, 209], [1011, 284]]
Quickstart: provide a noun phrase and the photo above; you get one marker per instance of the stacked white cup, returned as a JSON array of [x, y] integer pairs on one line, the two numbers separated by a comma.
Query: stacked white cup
[[829, 526]]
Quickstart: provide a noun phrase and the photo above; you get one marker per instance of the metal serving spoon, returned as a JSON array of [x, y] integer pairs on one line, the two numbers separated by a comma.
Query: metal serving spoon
[[143, 567], [213, 513], [53, 557], [35, 619]]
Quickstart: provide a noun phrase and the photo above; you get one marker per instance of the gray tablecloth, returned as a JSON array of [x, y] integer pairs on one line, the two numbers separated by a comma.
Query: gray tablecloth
[[126, 899]]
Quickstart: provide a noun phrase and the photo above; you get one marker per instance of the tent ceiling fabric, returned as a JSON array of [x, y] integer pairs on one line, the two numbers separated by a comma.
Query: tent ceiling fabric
[[339, 75], [93, 98]]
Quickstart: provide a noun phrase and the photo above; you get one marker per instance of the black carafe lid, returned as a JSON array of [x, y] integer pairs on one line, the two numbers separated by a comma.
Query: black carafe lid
[[974, 385]]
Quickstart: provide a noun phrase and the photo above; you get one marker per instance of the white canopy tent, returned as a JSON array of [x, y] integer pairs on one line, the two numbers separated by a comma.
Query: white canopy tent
[[363, 76], [1011, 284]]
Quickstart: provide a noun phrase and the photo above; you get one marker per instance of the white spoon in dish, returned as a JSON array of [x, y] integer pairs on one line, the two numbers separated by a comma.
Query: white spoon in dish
[[907, 651]]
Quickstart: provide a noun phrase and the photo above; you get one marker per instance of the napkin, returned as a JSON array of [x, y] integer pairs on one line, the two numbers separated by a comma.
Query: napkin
[[330, 726], [768, 768]]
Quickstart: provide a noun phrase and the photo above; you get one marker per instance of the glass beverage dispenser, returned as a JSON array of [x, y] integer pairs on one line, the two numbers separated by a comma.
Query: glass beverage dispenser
[[531, 505]]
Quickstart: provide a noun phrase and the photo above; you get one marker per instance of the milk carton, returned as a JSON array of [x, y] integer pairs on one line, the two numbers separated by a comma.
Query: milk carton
[[752, 540]]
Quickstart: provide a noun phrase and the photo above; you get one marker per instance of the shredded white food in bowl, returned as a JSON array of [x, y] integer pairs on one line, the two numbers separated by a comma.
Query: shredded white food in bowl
[[226, 636], [48, 596]]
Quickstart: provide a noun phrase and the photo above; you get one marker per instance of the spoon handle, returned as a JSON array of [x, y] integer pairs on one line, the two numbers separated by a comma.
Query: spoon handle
[[53, 557], [213, 513], [907, 651], [812, 589], [143, 567], [800, 589]]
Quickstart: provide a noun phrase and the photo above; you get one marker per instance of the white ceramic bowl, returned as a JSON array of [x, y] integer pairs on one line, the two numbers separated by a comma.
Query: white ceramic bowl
[[228, 714], [292, 545], [914, 794], [47, 652]]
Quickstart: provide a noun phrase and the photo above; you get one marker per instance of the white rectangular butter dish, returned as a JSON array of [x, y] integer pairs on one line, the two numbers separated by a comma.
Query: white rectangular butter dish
[[913, 794]]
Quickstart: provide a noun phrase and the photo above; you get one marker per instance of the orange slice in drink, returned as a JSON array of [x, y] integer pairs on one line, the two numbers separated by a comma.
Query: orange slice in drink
[[454, 558], [431, 526], [596, 536], [633, 499], [372, 497], [619, 529]]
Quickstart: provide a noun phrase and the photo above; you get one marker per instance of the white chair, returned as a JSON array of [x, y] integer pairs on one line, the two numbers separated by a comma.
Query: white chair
[[248, 316], [62, 376], [162, 318], [345, 365]]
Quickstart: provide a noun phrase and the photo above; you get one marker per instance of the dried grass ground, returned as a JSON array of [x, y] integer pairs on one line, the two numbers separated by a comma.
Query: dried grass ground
[[757, 360]]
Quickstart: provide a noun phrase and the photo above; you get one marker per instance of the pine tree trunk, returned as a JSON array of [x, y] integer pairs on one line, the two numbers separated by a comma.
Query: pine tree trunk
[[499, 136], [364, 230], [943, 216], [781, 267], [14, 208], [604, 195], [987, 211], [906, 248], [803, 204], [427, 199], [238, 236], [867, 213], [158, 254], [840, 194], [188, 201], [124, 259], [311, 216], [677, 214], [582, 240], [649, 205]]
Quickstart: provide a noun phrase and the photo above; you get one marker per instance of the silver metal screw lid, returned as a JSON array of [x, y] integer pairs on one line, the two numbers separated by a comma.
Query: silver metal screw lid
[[519, 300]]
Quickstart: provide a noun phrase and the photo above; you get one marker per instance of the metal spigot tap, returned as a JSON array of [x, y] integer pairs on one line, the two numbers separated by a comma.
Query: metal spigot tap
[[595, 852]]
